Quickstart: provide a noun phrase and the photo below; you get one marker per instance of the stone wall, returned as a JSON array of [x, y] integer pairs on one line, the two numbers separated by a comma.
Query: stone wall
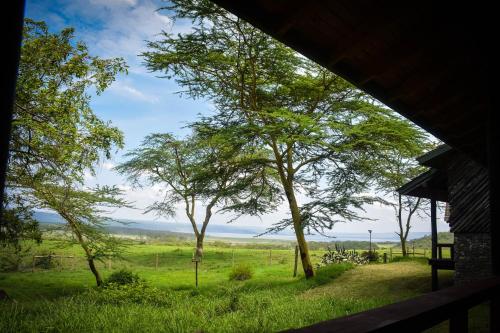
[[472, 256]]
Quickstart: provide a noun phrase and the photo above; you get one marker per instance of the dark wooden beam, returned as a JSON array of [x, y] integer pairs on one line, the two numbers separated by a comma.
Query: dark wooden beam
[[413, 315], [434, 271], [434, 228], [12, 25]]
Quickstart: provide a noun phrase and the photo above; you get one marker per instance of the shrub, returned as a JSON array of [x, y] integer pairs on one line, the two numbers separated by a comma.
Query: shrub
[[370, 255], [45, 260], [123, 277], [138, 293], [342, 256], [241, 272]]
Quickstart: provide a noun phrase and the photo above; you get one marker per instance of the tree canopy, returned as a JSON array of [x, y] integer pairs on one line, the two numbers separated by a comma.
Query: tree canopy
[[322, 136], [56, 137], [201, 170]]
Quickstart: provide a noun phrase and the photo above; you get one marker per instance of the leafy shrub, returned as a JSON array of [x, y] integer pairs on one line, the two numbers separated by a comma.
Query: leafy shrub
[[370, 255], [138, 293], [123, 277], [241, 272], [342, 256], [422, 260], [45, 261]]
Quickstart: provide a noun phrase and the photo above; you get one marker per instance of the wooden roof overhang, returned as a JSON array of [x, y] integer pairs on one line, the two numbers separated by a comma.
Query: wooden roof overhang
[[428, 60], [429, 185]]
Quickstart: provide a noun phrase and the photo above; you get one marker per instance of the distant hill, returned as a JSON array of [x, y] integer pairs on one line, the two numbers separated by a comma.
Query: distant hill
[[174, 227], [426, 241]]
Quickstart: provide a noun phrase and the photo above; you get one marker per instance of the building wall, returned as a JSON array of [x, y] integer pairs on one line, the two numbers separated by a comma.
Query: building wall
[[469, 219], [472, 256]]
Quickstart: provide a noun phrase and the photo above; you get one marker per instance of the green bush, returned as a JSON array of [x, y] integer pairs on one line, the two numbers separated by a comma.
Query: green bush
[[241, 272], [45, 261], [137, 293], [123, 277], [370, 255]]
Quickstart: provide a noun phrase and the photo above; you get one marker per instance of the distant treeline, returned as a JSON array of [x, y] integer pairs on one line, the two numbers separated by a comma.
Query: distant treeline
[[426, 241], [167, 237]]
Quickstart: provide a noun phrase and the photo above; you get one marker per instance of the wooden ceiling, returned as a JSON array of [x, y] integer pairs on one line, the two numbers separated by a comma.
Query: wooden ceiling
[[428, 60]]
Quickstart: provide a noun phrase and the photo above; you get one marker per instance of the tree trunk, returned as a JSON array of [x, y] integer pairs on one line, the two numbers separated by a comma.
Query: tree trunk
[[94, 270], [88, 252], [299, 233], [403, 246], [199, 247]]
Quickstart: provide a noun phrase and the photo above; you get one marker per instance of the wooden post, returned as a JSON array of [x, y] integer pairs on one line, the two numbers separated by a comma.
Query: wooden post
[[413, 246], [270, 258], [493, 139], [296, 260], [385, 257], [196, 264], [196, 260], [434, 278], [433, 229], [156, 263]]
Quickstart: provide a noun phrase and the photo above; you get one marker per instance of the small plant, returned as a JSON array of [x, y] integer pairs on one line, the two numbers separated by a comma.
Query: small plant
[[340, 255], [138, 293], [45, 260], [123, 277], [240, 273], [370, 255]]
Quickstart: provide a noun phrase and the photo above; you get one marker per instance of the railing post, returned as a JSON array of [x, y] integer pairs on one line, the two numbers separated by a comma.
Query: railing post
[[433, 228], [459, 323], [435, 283]]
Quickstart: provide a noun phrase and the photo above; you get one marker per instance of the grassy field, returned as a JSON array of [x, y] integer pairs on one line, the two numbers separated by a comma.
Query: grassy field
[[63, 299]]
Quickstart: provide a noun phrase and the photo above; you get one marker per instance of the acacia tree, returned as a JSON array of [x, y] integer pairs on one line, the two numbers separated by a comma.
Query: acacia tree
[[57, 138], [321, 135], [201, 170], [397, 169], [18, 231]]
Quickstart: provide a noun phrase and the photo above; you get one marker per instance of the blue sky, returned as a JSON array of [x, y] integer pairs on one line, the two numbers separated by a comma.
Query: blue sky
[[141, 103]]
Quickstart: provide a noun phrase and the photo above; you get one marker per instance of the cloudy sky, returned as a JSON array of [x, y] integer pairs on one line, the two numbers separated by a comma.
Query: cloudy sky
[[141, 103]]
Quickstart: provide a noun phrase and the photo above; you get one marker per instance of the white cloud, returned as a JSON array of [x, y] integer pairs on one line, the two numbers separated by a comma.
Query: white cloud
[[123, 27], [108, 165], [125, 89]]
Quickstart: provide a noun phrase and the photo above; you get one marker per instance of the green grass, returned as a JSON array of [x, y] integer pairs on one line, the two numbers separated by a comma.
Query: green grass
[[63, 300]]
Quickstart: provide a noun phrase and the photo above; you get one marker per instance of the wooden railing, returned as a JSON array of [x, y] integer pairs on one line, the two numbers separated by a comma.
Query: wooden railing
[[420, 313], [445, 245]]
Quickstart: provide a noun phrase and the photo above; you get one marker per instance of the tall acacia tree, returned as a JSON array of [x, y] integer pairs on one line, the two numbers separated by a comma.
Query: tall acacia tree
[[56, 137], [201, 170], [398, 168], [320, 134]]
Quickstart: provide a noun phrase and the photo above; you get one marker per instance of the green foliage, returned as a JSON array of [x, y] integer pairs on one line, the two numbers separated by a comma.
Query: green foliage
[[122, 277], [371, 256], [422, 260], [241, 272], [425, 242], [319, 134], [45, 260], [124, 293], [18, 232], [56, 137], [262, 304], [195, 170], [342, 257]]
